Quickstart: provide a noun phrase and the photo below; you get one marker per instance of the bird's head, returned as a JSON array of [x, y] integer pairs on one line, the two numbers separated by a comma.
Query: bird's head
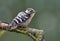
[[30, 11]]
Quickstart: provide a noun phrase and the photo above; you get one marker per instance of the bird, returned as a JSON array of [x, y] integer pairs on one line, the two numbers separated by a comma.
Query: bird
[[23, 18]]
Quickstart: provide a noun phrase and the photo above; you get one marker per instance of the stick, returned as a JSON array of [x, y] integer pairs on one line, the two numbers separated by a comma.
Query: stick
[[37, 35]]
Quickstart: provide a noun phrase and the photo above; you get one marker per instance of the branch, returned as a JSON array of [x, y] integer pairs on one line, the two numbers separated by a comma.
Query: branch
[[37, 35]]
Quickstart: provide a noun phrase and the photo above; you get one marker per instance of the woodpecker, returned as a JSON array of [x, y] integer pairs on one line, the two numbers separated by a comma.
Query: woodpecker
[[23, 18]]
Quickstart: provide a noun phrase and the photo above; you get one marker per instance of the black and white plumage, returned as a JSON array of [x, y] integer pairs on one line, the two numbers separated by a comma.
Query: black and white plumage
[[23, 18]]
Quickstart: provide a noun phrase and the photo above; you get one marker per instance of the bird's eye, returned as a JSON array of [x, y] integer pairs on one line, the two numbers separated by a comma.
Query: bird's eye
[[31, 10]]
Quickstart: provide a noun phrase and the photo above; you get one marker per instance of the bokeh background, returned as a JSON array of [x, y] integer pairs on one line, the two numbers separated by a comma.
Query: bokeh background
[[47, 17]]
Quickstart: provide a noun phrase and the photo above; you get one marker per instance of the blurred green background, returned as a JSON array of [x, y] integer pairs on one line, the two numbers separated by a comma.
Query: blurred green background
[[47, 17]]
